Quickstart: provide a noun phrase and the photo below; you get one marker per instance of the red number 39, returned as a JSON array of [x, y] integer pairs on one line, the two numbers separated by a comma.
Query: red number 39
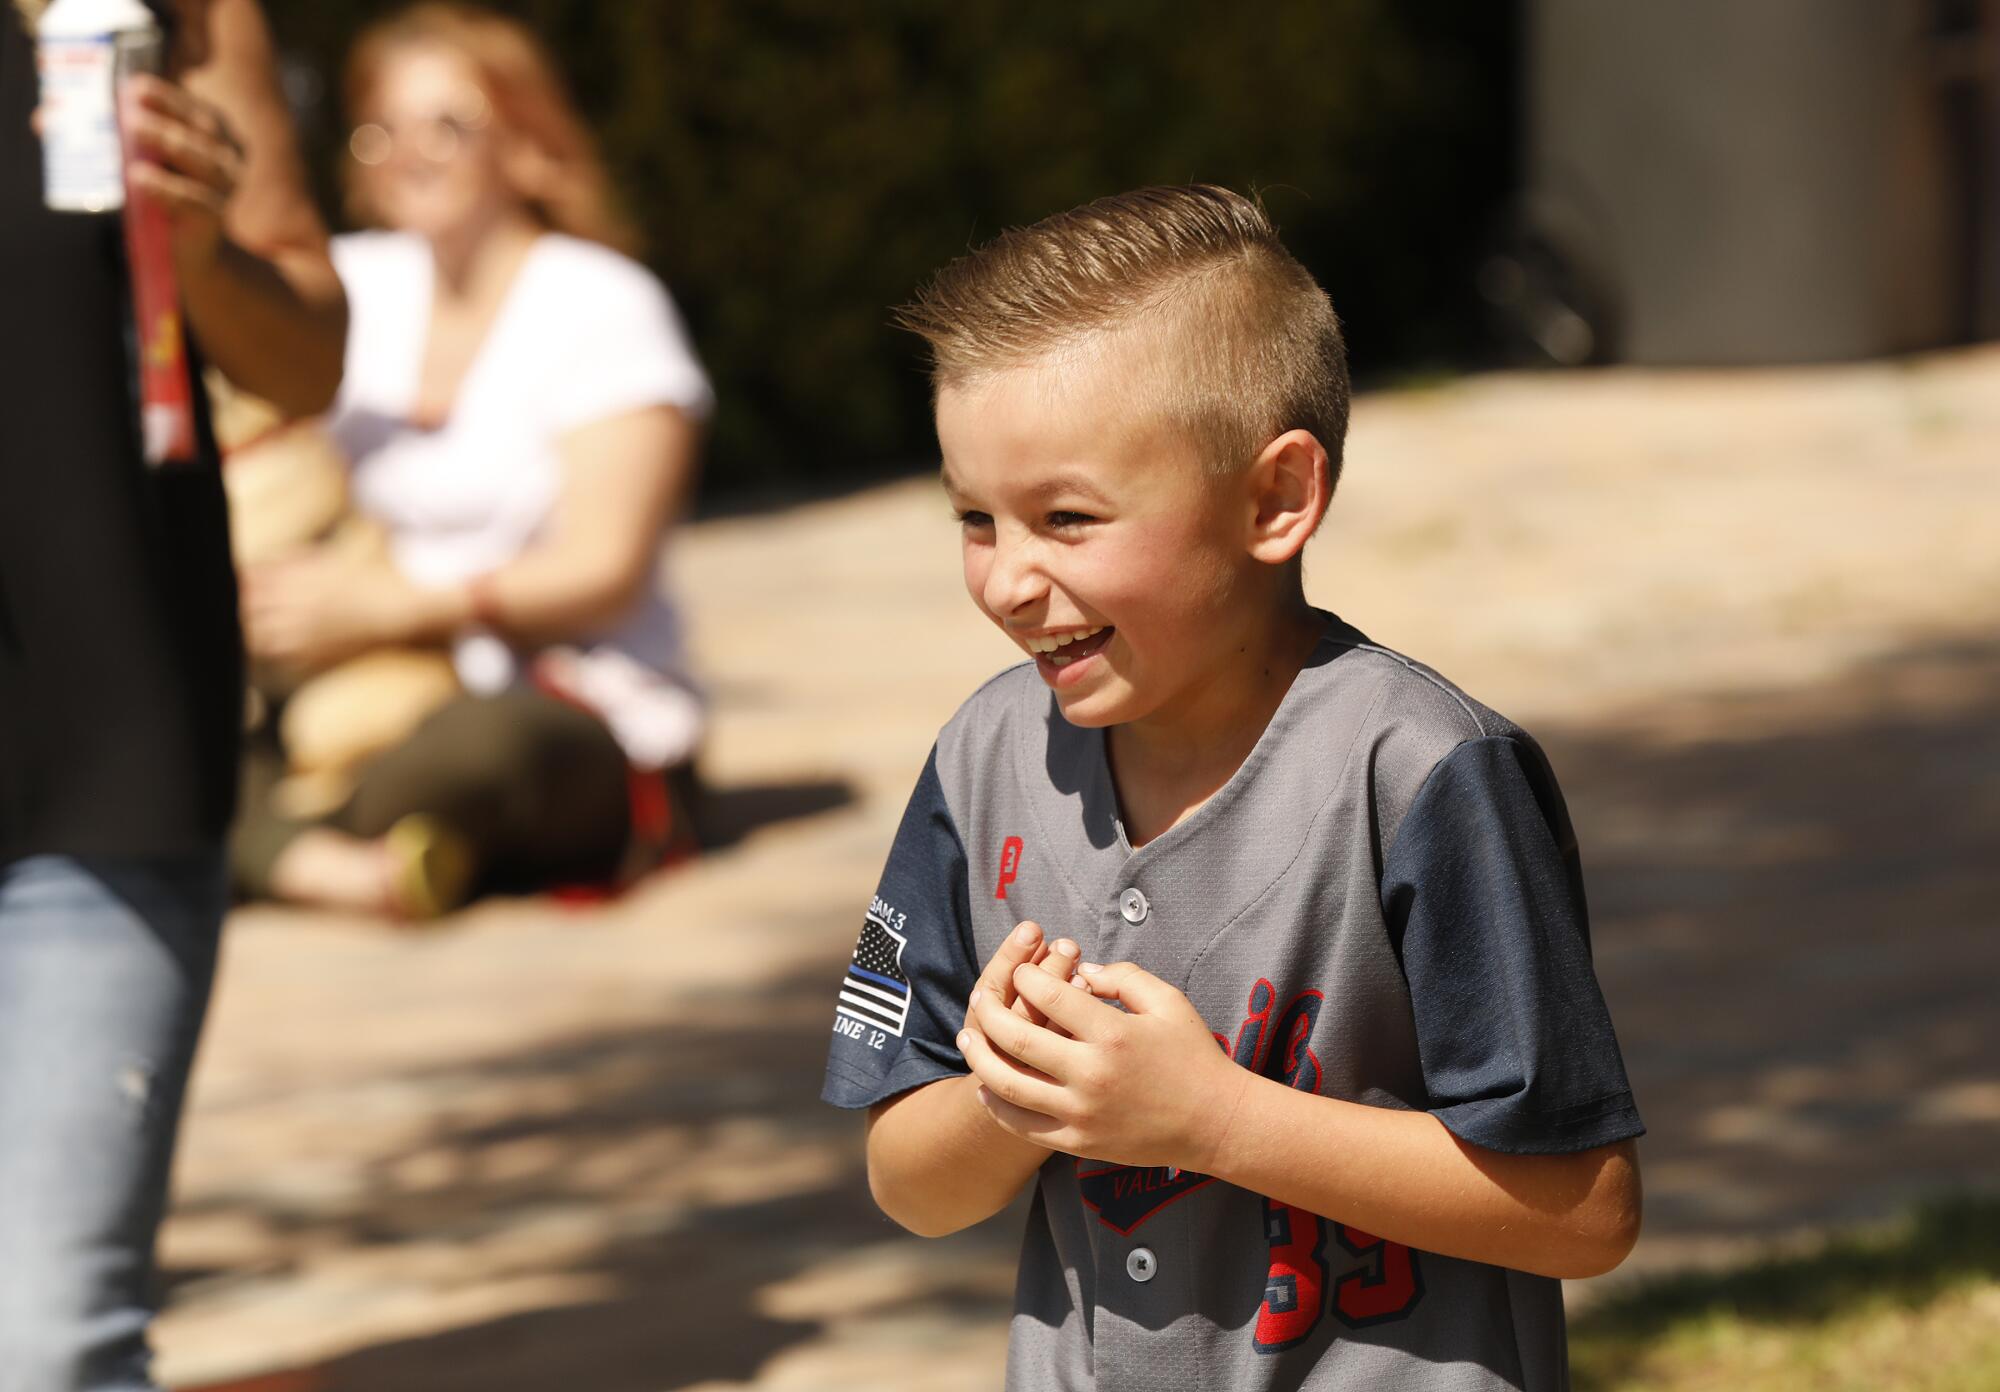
[[1387, 1288]]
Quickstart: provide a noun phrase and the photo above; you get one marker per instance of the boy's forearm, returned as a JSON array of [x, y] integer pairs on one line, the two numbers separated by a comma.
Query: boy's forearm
[[1402, 1176], [937, 1162]]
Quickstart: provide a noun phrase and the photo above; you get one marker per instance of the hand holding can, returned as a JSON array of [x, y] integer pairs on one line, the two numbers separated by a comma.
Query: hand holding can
[[181, 154]]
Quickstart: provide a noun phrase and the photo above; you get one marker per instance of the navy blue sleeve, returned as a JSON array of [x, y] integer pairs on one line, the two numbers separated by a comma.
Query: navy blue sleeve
[[1483, 894], [901, 1002]]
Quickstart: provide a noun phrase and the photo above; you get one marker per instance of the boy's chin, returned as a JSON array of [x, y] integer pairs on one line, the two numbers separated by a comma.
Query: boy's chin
[[1093, 710]]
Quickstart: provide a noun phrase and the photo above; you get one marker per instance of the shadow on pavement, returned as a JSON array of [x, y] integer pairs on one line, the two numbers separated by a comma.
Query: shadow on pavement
[[1793, 901], [661, 1179], [730, 813]]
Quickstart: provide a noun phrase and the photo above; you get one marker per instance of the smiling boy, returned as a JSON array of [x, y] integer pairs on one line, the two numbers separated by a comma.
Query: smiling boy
[[1346, 1103]]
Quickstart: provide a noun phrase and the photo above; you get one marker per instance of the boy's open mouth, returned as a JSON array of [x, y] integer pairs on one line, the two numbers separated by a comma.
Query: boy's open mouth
[[1061, 649]]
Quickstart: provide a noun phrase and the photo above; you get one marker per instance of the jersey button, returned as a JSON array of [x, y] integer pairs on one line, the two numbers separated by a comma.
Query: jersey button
[[1141, 1265], [1132, 906]]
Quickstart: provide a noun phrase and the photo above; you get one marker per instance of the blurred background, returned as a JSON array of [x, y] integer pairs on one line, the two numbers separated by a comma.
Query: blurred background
[[800, 167], [1679, 441], [1543, 180]]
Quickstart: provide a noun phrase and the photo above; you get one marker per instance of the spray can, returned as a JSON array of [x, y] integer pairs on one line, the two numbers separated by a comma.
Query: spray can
[[84, 48]]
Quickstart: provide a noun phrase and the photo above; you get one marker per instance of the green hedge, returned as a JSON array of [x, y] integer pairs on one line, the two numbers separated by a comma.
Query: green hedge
[[800, 165]]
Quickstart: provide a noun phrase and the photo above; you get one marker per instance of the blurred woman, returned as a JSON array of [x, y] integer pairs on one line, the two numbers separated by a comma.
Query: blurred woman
[[522, 411]]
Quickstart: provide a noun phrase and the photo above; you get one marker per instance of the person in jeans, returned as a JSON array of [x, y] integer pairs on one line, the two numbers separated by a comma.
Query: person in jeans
[[120, 668]]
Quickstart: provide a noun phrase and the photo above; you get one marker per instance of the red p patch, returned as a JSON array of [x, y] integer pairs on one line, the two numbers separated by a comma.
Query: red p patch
[[1010, 865]]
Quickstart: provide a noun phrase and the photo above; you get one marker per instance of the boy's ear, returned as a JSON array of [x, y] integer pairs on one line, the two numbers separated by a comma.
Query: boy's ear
[[1288, 495]]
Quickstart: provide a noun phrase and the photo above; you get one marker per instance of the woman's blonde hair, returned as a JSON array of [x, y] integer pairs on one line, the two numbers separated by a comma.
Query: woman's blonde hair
[[572, 192]]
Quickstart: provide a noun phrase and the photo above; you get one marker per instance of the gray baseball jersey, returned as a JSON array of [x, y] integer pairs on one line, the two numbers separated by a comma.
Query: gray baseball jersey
[[1383, 905]]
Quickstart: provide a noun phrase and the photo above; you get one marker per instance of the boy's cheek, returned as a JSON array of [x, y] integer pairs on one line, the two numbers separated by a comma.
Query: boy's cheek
[[978, 567]]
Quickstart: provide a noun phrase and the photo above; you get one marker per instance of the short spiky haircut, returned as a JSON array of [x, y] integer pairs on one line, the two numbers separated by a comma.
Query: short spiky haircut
[[1249, 341]]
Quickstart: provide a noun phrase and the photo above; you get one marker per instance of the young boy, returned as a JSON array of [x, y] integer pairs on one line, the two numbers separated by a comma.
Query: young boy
[[1347, 1101]]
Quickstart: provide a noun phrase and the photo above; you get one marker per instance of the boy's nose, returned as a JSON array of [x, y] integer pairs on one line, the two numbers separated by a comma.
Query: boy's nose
[[1013, 581]]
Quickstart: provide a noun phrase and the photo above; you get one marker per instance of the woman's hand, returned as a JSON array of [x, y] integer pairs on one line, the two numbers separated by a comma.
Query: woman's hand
[[311, 611], [189, 159]]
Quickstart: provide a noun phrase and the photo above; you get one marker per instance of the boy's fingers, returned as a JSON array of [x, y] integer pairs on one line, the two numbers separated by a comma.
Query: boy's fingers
[[1058, 960], [1018, 947], [1005, 1078], [1024, 1040], [1074, 1011], [1135, 988]]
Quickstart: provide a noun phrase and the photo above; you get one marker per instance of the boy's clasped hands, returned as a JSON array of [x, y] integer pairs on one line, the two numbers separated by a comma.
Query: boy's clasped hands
[[1108, 1062]]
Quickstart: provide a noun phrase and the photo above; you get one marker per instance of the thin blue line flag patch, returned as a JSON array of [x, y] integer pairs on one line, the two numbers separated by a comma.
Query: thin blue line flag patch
[[876, 992]]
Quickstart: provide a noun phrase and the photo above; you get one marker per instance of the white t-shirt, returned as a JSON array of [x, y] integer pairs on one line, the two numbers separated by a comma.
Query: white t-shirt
[[584, 334]]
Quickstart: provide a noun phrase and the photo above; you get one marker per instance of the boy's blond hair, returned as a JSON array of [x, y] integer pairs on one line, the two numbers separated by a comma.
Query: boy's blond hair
[[1245, 345]]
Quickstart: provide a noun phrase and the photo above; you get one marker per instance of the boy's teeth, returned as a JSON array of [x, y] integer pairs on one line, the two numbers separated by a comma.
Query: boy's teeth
[[1050, 643]]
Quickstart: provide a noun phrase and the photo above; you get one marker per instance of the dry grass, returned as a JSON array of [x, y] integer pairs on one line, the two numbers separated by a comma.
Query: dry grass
[[1915, 1308]]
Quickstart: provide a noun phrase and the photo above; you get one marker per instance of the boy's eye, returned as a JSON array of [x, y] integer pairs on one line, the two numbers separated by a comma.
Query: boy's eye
[[970, 518], [1069, 519]]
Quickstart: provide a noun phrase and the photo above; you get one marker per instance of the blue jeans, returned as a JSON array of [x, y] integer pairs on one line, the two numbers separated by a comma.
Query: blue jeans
[[105, 967]]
